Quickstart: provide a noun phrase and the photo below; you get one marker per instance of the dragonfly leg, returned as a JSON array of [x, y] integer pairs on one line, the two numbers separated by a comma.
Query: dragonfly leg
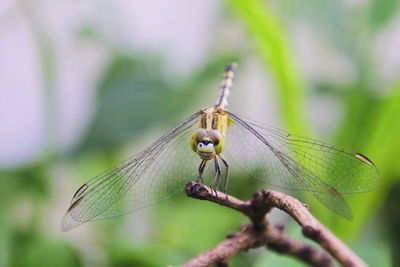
[[217, 178], [224, 185], [201, 170]]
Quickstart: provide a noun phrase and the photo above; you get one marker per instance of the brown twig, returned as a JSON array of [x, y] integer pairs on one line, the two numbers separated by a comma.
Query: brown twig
[[261, 233]]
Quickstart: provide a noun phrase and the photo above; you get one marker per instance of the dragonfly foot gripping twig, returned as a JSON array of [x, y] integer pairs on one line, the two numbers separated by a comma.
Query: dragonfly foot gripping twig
[[262, 233]]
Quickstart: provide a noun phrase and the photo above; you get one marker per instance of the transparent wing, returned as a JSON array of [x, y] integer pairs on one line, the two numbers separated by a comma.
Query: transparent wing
[[346, 170], [298, 163], [154, 175]]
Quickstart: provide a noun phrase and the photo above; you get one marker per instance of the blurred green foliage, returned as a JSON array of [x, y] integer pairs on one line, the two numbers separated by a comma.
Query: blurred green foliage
[[274, 48], [137, 85], [181, 228], [381, 12]]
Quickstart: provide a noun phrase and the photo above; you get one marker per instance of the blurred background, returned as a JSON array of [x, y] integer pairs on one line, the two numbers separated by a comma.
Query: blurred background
[[86, 84]]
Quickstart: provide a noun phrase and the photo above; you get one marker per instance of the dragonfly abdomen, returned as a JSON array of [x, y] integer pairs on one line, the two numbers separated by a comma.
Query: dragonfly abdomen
[[226, 86]]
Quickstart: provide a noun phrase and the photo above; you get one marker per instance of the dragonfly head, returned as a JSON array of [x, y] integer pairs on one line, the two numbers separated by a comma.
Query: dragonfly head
[[206, 143]]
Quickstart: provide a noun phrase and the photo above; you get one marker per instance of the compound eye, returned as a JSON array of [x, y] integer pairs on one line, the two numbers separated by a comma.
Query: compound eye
[[215, 136], [199, 135]]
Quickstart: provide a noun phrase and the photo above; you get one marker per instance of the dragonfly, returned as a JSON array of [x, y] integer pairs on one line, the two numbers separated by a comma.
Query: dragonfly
[[205, 146]]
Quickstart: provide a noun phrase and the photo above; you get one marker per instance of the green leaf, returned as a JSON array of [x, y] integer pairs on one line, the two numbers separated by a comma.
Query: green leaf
[[269, 36], [381, 12]]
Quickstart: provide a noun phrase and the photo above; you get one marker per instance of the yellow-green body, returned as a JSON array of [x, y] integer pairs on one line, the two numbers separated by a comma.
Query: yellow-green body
[[213, 119], [209, 139]]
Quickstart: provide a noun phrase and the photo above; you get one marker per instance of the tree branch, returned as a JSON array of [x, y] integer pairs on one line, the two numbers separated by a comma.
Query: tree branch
[[261, 233]]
